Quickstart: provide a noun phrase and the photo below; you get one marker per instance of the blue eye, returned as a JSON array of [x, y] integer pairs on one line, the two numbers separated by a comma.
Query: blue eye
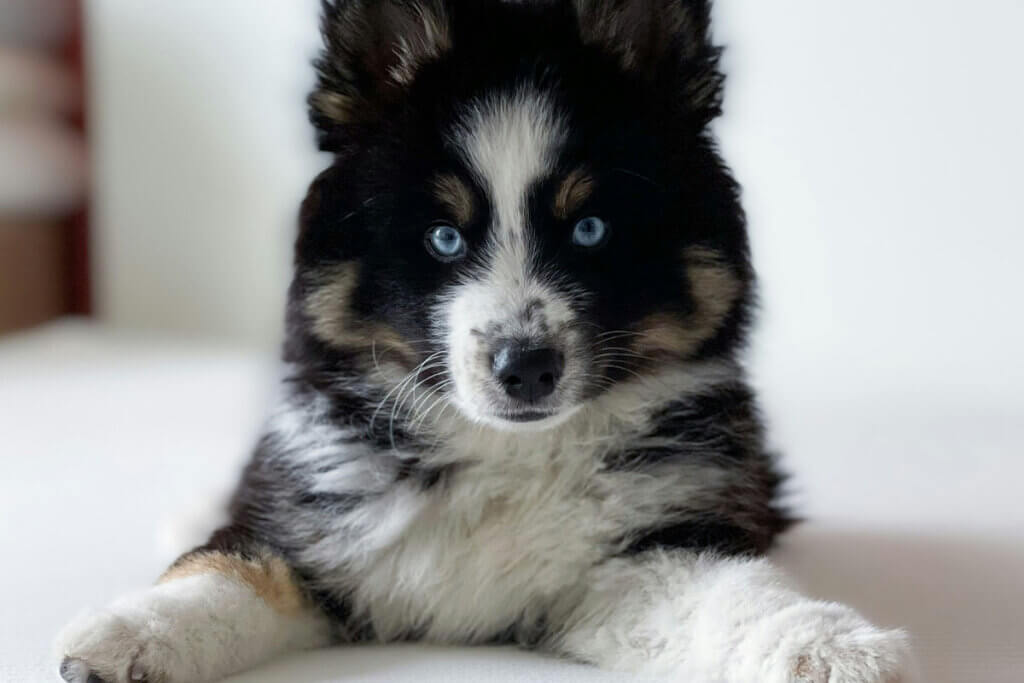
[[590, 232], [446, 242]]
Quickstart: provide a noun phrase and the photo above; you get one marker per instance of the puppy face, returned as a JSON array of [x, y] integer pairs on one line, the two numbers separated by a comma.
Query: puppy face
[[525, 209]]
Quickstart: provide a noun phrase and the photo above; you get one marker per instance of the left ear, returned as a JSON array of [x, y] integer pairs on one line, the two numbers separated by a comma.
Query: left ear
[[660, 39], [373, 50]]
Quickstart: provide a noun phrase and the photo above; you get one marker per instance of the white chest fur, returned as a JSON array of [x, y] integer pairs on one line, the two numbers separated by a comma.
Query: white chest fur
[[521, 516], [495, 544], [503, 537]]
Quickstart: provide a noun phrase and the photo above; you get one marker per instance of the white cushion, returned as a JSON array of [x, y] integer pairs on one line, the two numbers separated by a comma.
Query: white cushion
[[917, 519]]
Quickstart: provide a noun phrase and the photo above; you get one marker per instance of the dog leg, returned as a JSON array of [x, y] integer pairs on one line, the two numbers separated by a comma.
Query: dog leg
[[218, 610], [722, 620]]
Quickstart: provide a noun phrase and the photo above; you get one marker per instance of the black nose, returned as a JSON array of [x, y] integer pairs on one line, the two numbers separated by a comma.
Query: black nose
[[527, 374]]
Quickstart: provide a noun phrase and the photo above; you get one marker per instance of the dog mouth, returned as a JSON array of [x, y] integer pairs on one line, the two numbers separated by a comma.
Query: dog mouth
[[530, 418], [528, 415]]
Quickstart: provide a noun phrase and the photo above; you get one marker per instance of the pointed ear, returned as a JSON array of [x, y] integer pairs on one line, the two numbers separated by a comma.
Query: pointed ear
[[372, 50], [660, 39]]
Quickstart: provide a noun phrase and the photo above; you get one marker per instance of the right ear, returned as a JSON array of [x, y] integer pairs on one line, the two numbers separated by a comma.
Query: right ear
[[669, 39], [373, 50]]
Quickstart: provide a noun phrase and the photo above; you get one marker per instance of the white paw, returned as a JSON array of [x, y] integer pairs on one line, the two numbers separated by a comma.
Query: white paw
[[170, 633], [119, 645], [829, 643], [188, 630]]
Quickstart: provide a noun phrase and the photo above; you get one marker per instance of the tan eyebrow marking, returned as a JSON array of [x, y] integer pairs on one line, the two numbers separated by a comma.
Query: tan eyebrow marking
[[454, 194], [573, 191]]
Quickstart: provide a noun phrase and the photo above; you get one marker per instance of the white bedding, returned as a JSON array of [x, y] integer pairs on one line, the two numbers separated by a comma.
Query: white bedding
[[915, 502]]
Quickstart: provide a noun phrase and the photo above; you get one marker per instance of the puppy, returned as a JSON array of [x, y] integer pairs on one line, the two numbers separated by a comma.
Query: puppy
[[514, 410]]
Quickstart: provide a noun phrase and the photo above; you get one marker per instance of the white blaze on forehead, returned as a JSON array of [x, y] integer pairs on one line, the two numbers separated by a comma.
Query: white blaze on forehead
[[510, 140]]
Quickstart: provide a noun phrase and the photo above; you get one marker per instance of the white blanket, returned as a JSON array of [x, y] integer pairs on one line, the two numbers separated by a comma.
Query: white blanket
[[915, 505]]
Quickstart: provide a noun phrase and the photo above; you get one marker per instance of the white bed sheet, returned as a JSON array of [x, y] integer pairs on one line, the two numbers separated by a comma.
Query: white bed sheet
[[916, 506]]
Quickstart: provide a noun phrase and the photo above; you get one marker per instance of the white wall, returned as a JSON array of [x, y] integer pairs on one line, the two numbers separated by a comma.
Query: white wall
[[879, 143], [201, 157]]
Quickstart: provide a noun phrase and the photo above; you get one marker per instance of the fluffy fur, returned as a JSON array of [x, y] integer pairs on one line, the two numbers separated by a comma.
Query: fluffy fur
[[403, 489]]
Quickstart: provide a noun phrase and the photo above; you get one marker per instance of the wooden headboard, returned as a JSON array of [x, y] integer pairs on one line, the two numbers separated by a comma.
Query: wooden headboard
[[44, 259]]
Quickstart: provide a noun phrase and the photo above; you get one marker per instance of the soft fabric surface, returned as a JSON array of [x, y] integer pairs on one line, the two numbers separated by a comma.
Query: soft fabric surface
[[913, 498]]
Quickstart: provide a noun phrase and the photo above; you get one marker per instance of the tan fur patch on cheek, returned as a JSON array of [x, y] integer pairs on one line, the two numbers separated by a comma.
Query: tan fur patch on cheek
[[453, 194], [574, 190], [328, 308], [269, 577], [714, 287], [327, 303]]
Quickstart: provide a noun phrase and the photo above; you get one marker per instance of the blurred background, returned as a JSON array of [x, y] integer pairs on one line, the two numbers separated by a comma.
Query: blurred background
[[152, 159], [44, 270], [197, 154], [879, 146]]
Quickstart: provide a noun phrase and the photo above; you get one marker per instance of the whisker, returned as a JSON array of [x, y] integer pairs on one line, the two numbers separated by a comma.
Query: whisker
[[623, 368], [403, 396], [399, 387], [425, 413], [610, 333], [419, 400]]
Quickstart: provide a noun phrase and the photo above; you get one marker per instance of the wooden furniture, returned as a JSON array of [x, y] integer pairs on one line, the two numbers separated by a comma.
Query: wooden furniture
[[43, 257], [34, 272]]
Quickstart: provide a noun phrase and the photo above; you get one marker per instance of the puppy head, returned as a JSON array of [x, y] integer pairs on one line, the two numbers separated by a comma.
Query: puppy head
[[525, 208]]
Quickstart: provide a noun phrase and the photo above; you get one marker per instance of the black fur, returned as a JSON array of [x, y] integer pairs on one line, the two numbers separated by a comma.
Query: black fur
[[637, 103]]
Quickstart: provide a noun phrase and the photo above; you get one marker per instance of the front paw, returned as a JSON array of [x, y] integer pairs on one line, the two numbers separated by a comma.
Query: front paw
[[123, 644], [828, 643]]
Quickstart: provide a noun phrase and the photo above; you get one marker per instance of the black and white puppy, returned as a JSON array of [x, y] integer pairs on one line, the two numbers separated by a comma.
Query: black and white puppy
[[513, 410]]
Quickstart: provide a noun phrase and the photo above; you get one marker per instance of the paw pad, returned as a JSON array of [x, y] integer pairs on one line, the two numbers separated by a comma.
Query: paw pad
[[75, 670]]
